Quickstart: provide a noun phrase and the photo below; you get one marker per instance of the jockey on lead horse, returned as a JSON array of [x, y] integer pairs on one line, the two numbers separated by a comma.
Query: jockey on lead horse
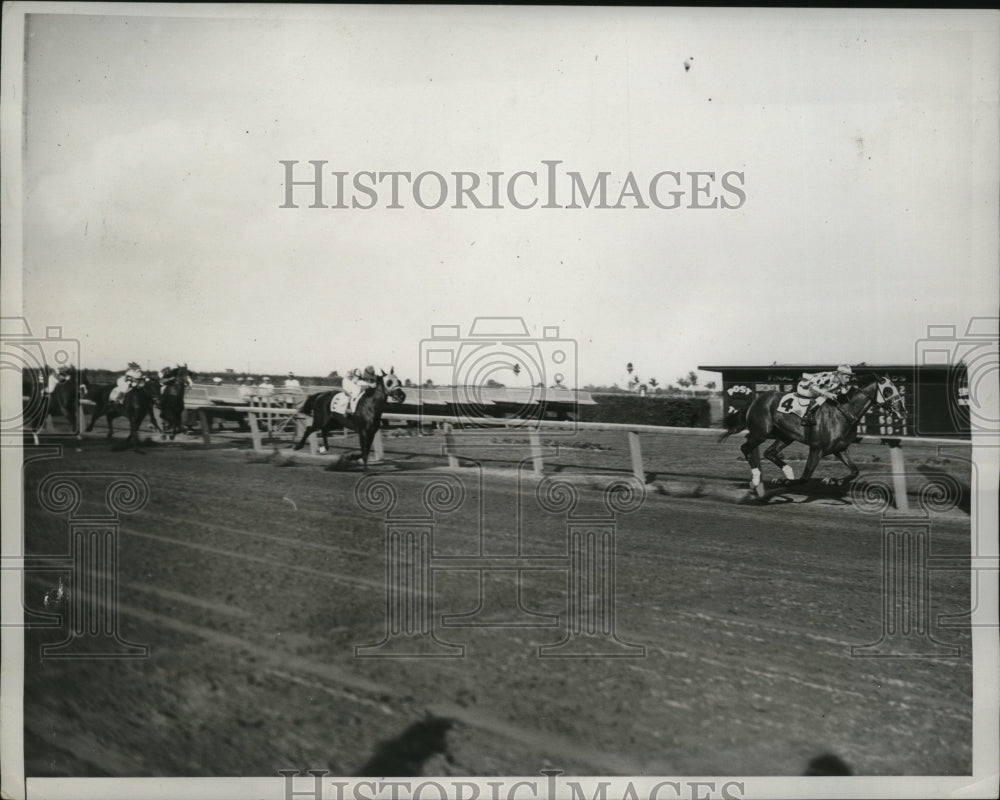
[[125, 383], [354, 385], [821, 387]]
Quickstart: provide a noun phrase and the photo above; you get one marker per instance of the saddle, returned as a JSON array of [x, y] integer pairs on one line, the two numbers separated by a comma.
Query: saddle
[[338, 404], [341, 400], [791, 403]]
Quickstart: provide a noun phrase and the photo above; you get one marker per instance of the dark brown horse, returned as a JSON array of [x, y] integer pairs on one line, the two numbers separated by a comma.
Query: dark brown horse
[[366, 419], [135, 406], [48, 392], [835, 428], [175, 383]]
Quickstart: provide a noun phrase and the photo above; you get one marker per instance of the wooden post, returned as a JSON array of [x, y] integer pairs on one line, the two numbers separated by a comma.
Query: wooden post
[[449, 446], [536, 452], [255, 431], [206, 426], [898, 474], [636, 449]]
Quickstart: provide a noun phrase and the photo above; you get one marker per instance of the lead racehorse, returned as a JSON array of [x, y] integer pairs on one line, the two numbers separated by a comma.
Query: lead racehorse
[[366, 419], [834, 430]]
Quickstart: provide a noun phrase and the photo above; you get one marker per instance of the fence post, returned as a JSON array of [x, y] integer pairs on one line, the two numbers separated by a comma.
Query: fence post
[[636, 450], [255, 431], [536, 452], [206, 426], [449, 446], [898, 474]]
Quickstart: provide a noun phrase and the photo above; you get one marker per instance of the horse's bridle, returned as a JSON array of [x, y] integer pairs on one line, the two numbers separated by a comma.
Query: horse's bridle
[[878, 398]]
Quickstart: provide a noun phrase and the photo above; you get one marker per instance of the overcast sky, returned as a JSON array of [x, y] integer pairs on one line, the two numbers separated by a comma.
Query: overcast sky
[[153, 227]]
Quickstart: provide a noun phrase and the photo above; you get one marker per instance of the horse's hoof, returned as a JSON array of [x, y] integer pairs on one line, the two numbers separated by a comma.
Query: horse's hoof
[[758, 489]]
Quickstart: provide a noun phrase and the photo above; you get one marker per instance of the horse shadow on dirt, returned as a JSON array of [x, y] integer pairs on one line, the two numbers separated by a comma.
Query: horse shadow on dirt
[[407, 754], [827, 764], [800, 493]]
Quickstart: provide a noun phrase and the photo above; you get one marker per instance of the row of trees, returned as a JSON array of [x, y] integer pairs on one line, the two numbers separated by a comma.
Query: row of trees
[[682, 385]]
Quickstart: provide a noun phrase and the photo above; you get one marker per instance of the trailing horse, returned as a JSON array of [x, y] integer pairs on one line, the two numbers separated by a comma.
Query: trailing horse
[[834, 430], [172, 399], [366, 419], [52, 393], [135, 406]]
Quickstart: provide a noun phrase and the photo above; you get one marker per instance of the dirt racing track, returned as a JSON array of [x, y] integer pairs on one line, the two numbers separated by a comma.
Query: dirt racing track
[[269, 592]]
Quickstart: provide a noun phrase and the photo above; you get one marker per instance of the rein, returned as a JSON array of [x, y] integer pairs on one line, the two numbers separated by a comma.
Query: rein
[[877, 398]]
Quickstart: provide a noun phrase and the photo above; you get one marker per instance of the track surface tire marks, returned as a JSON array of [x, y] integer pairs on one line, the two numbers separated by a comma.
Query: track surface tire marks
[[252, 584]]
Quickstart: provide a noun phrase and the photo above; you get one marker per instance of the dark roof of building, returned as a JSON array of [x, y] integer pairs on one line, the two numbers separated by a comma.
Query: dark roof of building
[[820, 367]]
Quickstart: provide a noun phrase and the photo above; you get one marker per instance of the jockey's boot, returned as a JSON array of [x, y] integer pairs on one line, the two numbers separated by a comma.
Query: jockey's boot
[[809, 418]]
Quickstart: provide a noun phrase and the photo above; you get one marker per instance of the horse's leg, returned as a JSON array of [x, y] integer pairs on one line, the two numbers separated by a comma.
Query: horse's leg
[[751, 451], [93, 417], [133, 430], [773, 454], [815, 454], [848, 462], [310, 428], [111, 428], [365, 438], [323, 432]]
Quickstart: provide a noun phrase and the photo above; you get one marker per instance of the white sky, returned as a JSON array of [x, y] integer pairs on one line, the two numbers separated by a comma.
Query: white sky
[[151, 183]]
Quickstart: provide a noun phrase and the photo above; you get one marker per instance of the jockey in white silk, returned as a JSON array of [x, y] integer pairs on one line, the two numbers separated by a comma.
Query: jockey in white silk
[[821, 387], [355, 383], [57, 376], [125, 383]]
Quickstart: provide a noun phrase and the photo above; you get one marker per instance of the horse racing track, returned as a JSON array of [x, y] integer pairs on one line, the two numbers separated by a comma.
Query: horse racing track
[[476, 622]]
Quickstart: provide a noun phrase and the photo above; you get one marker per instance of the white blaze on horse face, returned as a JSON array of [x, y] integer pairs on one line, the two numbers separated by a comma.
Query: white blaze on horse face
[[754, 476]]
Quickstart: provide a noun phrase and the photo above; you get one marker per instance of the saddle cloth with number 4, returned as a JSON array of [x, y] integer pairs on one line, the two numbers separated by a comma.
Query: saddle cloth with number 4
[[791, 403]]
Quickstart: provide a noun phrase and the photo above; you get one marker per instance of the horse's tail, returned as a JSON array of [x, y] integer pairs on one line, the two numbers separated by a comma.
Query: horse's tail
[[309, 404], [734, 421]]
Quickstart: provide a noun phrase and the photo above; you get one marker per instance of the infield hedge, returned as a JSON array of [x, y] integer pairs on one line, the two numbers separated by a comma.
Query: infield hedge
[[679, 412]]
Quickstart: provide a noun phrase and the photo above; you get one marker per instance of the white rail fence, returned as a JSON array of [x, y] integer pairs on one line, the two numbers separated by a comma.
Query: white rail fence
[[269, 418], [263, 417]]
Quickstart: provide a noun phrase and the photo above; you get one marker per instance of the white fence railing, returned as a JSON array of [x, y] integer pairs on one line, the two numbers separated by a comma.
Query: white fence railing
[[262, 417], [270, 418]]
